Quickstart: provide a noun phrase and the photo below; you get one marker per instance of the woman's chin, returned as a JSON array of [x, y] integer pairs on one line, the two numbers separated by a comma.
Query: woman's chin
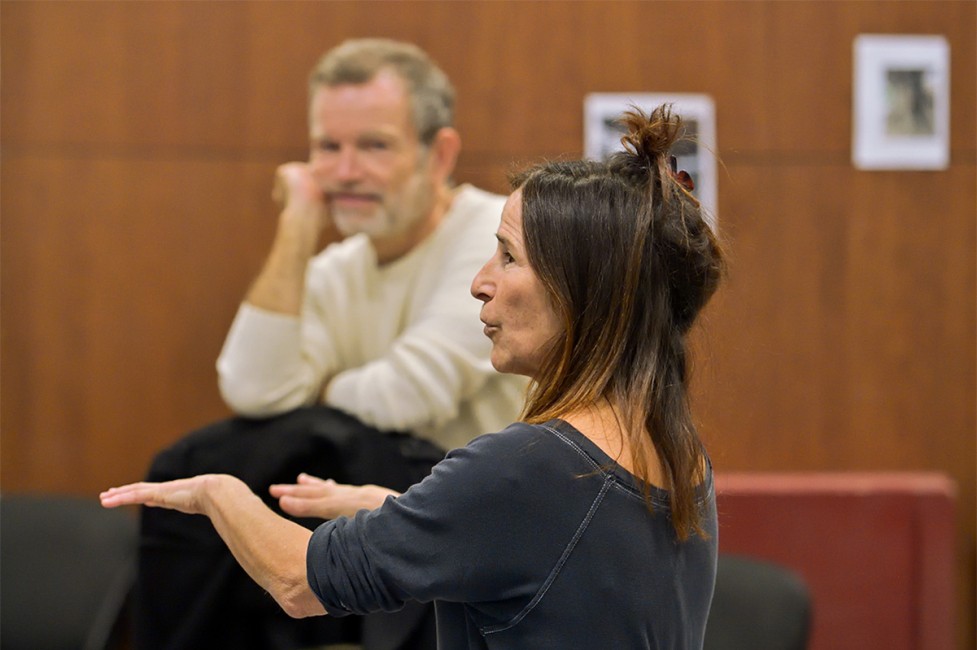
[[502, 363], [509, 366]]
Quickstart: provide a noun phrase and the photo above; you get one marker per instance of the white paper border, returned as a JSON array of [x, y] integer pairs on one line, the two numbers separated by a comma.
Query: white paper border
[[885, 134], [601, 110]]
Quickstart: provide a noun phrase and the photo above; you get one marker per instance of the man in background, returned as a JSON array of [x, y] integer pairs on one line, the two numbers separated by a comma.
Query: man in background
[[357, 365]]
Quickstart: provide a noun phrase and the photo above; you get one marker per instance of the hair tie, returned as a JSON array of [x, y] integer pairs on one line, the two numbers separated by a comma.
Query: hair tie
[[682, 177]]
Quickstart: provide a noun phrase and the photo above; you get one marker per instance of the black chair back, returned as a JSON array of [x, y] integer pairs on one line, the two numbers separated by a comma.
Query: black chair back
[[68, 566], [758, 605]]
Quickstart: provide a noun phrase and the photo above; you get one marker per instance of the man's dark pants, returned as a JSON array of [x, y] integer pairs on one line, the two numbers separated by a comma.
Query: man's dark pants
[[191, 593]]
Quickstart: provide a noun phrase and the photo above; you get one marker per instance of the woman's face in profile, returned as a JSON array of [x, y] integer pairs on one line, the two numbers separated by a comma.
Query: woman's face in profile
[[516, 311]]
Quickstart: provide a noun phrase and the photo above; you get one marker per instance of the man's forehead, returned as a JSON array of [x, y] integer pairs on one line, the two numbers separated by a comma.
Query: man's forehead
[[379, 106], [385, 82]]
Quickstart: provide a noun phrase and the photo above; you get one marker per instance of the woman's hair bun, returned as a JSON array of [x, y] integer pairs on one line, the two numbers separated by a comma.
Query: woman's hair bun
[[651, 136]]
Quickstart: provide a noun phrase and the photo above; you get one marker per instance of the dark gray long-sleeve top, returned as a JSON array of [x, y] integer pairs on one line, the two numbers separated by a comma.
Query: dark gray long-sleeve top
[[530, 538]]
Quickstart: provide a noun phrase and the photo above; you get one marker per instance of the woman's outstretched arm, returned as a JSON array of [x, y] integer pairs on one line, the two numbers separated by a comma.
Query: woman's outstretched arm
[[270, 548]]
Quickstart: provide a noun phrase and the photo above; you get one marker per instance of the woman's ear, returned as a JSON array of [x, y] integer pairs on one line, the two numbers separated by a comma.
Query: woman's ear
[[444, 152]]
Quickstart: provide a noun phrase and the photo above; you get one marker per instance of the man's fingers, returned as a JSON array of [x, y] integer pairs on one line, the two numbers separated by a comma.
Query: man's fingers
[[279, 191]]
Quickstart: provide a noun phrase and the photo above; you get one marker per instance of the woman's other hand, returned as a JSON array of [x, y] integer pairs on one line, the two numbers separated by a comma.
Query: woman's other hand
[[325, 498]]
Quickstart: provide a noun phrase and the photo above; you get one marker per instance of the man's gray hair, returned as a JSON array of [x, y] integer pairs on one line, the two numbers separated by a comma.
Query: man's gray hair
[[357, 61]]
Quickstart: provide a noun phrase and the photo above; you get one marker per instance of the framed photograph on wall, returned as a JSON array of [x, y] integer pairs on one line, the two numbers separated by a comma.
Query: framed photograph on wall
[[902, 102], [696, 154]]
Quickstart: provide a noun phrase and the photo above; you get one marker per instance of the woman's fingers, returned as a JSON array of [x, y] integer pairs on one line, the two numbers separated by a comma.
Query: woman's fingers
[[308, 479], [302, 491], [182, 494], [311, 496], [132, 494], [304, 507]]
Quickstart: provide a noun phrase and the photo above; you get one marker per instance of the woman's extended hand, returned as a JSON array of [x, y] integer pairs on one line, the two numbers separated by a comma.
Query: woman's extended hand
[[189, 495], [327, 499], [270, 548]]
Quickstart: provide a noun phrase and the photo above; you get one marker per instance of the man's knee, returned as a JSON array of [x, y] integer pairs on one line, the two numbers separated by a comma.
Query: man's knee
[[183, 457], [318, 440]]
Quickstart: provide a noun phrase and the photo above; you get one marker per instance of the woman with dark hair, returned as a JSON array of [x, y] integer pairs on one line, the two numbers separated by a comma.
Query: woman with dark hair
[[592, 522]]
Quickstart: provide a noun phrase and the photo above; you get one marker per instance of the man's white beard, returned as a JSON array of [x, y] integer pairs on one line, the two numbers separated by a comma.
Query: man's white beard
[[350, 222], [414, 202]]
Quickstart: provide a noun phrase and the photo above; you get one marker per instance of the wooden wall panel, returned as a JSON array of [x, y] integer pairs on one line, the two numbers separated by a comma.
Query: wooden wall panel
[[232, 78], [857, 319], [117, 289], [139, 141]]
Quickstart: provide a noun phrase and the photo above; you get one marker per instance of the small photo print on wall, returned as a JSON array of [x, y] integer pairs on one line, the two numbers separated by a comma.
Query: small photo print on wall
[[909, 103], [695, 152], [902, 102]]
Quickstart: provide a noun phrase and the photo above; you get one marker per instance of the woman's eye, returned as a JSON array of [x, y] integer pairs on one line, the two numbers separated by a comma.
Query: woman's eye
[[507, 258]]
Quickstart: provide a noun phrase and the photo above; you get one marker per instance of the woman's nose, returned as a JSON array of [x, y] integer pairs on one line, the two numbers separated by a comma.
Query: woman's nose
[[482, 288]]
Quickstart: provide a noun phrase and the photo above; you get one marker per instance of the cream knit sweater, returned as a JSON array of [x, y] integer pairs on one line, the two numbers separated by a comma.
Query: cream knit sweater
[[402, 343]]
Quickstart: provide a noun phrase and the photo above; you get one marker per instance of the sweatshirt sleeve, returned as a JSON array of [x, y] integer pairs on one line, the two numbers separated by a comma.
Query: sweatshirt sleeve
[[406, 362], [438, 361], [441, 358], [484, 523], [261, 370]]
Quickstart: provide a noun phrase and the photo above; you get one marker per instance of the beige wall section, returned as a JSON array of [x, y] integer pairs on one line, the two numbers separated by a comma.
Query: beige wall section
[[139, 141]]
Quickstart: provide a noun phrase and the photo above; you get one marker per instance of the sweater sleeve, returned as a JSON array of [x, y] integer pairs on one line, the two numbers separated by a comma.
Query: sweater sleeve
[[441, 358], [405, 362], [488, 524], [261, 370]]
